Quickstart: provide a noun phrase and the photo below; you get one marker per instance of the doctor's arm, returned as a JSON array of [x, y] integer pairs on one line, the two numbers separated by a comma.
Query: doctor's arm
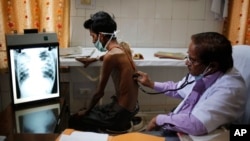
[[186, 123]]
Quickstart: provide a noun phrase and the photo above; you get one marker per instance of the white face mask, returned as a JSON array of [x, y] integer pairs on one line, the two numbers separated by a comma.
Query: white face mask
[[203, 73], [99, 46]]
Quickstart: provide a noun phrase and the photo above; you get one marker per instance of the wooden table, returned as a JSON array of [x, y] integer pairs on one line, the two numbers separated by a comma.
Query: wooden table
[[32, 137]]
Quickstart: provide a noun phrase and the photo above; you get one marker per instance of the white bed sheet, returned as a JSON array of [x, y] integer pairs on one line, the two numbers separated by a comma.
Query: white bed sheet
[[148, 54]]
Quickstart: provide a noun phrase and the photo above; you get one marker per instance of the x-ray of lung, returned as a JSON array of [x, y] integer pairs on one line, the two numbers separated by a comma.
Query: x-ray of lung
[[37, 120], [33, 62], [34, 73]]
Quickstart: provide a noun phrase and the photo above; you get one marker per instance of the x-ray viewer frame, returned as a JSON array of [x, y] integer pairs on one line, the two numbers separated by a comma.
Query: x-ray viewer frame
[[33, 61]]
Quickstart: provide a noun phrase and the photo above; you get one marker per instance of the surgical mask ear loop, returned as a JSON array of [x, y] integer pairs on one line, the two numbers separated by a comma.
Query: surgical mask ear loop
[[108, 41], [112, 35], [207, 69]]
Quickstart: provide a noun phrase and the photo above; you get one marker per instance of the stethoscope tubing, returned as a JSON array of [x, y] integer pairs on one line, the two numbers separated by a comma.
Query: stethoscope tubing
[[184, 84]]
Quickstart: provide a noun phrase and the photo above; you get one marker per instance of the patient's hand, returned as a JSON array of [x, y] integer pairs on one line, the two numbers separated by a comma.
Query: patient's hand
[[86, 61], [152, 125], [81, 113]]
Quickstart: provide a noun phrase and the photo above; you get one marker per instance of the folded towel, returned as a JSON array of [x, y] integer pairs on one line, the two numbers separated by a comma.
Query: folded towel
[[220, 9]]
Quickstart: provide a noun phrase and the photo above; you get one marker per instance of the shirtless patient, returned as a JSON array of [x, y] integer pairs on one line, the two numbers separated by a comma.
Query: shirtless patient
[[116, 62]]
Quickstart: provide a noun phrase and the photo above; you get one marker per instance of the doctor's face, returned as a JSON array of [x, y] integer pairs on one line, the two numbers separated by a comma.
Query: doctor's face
[[194, 64]]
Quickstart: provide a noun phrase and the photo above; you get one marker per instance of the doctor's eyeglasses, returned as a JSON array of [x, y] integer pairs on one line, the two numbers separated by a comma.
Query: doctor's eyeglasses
[[191, 61]]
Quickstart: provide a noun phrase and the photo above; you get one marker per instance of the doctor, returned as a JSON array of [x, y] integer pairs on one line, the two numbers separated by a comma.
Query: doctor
[[213, 94]]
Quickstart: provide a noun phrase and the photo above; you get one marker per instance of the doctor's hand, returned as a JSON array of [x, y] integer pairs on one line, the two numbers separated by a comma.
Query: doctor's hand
[[86, 61], [144, 79]]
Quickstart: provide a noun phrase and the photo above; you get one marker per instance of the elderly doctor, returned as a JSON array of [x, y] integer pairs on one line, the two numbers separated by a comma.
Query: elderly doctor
[[213, 93]]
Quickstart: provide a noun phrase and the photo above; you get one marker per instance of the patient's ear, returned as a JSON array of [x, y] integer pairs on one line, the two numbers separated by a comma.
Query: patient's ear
[[103, 38]]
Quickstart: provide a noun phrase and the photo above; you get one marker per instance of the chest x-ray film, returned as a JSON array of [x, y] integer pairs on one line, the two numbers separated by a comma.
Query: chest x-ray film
[[33, 67], [41, 119]]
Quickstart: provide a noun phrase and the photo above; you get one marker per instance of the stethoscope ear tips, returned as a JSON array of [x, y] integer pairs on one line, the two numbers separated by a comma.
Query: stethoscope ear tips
[[136, 75]]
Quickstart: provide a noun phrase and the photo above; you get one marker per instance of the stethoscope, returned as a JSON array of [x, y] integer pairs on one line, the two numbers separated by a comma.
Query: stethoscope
[[184, 84]]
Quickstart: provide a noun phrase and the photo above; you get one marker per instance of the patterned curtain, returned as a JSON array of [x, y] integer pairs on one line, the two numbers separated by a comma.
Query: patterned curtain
[[237, 26], [45, 15]]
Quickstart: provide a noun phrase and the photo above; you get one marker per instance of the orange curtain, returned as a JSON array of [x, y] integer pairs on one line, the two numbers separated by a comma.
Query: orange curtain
[[45, 15], [237, 26]]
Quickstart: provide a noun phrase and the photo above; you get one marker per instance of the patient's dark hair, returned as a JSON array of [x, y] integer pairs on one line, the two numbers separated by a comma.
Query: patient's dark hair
[[214, 47], [101, 22]]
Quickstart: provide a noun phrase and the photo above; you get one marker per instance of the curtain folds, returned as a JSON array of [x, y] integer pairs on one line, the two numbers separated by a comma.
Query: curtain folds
[[237, 26], [45, 15]]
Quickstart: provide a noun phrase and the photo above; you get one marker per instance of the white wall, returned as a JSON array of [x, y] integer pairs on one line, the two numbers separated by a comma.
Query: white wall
[[148, 23]]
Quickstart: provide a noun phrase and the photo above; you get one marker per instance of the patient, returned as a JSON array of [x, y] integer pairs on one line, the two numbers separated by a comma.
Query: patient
[[213, 94], [117, 62]]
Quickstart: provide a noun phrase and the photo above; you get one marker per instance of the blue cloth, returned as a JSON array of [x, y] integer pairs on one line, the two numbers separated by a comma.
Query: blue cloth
[[161, 134]]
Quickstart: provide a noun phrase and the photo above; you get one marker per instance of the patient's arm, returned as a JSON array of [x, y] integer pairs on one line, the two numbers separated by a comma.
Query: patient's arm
[[86, 61]]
